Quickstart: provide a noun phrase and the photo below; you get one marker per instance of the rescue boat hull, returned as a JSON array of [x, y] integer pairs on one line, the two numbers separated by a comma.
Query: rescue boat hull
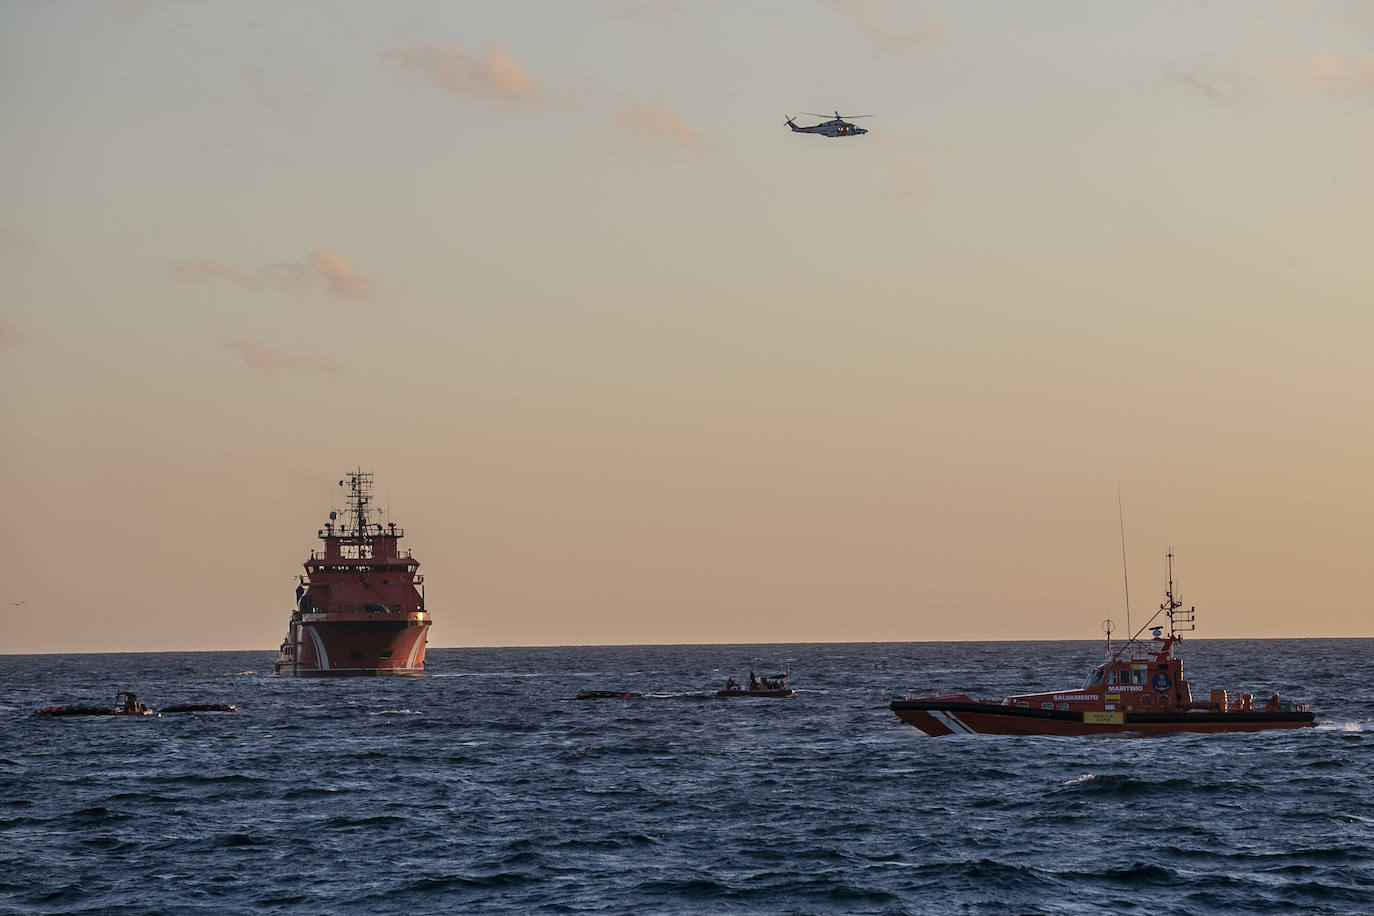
[[937, 718], [373, 647]]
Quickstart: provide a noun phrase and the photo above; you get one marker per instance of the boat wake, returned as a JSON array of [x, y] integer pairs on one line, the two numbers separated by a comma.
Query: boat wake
[[1344, 726]]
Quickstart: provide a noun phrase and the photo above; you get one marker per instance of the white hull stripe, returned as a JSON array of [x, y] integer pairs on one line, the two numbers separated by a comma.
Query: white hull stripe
[[951, 722], [321, 656], [415, 649]]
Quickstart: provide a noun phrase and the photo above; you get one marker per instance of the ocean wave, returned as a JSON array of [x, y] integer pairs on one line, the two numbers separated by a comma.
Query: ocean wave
[[488, 793]]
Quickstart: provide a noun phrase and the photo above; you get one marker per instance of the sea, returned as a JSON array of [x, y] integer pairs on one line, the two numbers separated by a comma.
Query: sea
[[485, 787]]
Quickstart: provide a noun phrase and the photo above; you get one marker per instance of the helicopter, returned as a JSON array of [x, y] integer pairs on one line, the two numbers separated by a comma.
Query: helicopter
[[838, 127]]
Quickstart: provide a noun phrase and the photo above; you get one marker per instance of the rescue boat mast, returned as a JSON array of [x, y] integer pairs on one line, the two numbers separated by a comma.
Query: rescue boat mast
[[1180, 621]]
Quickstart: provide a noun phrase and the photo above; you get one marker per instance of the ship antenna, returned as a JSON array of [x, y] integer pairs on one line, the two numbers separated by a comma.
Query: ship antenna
[[1173, 603], [1125, 581]]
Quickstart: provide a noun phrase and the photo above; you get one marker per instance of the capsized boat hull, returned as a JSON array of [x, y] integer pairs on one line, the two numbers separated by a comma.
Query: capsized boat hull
[[942, 717]]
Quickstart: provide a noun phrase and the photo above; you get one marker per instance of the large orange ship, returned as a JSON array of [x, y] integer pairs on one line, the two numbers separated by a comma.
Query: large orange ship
[[360, 606]]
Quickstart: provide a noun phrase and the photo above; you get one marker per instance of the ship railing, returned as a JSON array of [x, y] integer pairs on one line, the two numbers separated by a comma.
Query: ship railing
[[1135, 650], [357, 555]]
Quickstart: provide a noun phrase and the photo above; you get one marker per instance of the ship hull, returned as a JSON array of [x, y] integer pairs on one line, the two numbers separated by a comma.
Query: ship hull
[[351, 672], [377, 646], [937, 718]]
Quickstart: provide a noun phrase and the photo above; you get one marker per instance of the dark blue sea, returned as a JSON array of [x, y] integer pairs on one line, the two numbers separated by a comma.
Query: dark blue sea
[[484, 788]]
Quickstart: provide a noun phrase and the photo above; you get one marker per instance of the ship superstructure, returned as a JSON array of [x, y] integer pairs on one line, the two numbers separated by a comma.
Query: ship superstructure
[[360, 605]]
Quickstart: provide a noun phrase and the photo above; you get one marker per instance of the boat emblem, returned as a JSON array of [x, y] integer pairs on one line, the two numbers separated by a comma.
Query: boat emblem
[[1161, 681]]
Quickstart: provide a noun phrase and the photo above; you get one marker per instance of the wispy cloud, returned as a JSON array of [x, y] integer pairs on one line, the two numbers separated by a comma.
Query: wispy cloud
[[259, 356], [1196, 84], [890, 25], [660, 125], [339, 274], [492, 76], [277, 276], [336, 272], [1331, 70]]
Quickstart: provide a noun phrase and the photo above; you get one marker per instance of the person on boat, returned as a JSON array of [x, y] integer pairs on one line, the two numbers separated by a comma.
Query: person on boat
[[1273, 704], [753, 681], [730, 684], [132, 706]]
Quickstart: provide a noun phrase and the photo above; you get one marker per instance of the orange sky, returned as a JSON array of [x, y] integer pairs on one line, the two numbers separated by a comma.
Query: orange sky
[[634, 363]]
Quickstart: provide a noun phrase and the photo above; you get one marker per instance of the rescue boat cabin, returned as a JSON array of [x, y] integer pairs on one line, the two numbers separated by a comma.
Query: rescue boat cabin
[[1137, 677], [1140, 675]]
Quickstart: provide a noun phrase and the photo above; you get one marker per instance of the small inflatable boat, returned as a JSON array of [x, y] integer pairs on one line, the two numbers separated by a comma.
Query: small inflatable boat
[[127, 704]]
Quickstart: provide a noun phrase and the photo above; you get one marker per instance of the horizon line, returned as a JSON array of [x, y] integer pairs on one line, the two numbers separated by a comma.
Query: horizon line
[[683, 645]]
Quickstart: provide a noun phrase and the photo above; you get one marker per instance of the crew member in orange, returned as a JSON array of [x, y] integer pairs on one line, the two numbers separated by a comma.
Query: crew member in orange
[[1273, 704]]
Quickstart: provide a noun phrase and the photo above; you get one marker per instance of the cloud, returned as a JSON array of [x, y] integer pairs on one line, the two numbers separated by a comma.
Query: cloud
[[1330, 70], [338, 274], [495, 76], [881, 22], [283, 277], [660, 125], [261, 357], [1196, 84]]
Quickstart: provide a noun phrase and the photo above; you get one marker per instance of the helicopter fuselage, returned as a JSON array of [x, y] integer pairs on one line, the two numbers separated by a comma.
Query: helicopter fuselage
[[830, 129]]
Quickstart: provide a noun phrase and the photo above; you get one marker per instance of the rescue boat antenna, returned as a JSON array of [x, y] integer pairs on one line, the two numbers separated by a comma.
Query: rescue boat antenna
[[1171, 604], [1125, 581]]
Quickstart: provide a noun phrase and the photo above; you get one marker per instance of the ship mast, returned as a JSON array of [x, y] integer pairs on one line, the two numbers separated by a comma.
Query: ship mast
[[1171, 604], [359, 496]]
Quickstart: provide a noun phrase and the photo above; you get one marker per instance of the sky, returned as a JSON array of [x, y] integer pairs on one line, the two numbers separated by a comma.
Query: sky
[[634, 363]]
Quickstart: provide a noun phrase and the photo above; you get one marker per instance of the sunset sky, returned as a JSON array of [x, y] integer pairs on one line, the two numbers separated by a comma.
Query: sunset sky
[[634, 363]]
